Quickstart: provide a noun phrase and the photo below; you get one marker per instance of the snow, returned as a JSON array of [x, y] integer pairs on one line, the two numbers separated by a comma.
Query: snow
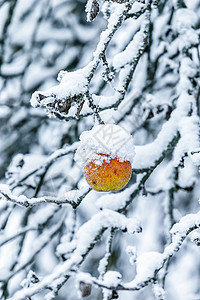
[[159, 291], [185, 18], [146, 265], [37, 71], [195, 157], [30, 280], [84, 238], [92, 7], [131, 51], [16, 67], [105, 219], [187, 70], [180, 230], [87, 233], [4, 111], [112, 278], [3, 13], [186, 222], [71, 84], [195, 237], [70, 197], [22, 165], [103, 101], [188, 128], [125, 57], [20, 115], [115, 201], [147, 155], [119, 11], [103, 263], [35, 163], [108, 139]]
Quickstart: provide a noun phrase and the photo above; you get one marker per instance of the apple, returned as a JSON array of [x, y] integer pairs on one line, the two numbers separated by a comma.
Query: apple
[[105, 173], [105, 155]]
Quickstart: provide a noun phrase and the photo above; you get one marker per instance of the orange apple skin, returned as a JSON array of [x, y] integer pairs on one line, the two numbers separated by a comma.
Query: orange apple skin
[[109, 176]]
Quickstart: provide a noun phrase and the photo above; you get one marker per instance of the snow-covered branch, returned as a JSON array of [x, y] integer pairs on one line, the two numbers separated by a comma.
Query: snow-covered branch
[[76, 195], [85, 239], [43, 168], [74, 86], [149, 264]]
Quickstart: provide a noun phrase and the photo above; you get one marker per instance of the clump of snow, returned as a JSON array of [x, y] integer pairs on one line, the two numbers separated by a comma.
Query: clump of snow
[[30, 280], [189, 130], [195, 237], [109, 139], [186, 222], [159, 292], [185, 18], [125, 57], [180, 230], [107, 218], [195, 157], [112, 278], [88, 231], [85, 277], [71, 84], [147, 264]]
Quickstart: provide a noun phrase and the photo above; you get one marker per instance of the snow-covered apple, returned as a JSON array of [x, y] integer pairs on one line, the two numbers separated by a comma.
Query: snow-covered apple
[[106, 154]]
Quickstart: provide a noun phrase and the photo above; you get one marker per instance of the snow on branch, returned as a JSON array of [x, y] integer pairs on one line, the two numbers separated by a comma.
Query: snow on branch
[[183, 121], [22, 200], [123, 199], [37, 246], [71, 90], [135, 47], [189, 128], [92, 9], [84, 240], [49, 161], [67, 99], [150, 263]]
